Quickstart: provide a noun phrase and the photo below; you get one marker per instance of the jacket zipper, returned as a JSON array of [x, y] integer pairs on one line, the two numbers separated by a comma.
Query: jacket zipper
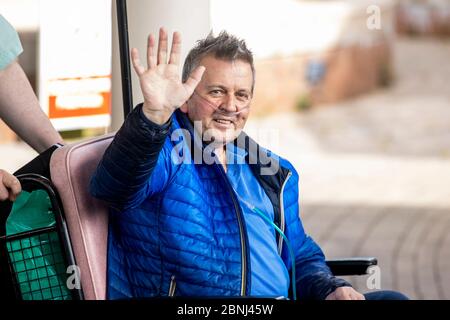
[[172, 287], [241, 234], [282, 220], [243, 251]]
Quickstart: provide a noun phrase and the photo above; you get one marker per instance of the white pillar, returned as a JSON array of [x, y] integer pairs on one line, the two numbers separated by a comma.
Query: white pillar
[[190, 18]]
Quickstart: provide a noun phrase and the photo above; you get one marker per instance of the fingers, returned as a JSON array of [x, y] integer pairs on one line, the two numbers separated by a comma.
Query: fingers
[[151, 52], [162, 46], [331, 296], [193, 80], [359, 296], [345, 293], [342, 294], [9, 186], [4, 193], [159, 57], [136, 62], [175, 51], [352, 294]]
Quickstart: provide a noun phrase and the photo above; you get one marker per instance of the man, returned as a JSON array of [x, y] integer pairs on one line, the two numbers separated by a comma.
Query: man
[[183, 227]]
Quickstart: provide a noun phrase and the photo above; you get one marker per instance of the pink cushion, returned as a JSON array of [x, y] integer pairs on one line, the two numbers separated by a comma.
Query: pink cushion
[[87, 218]]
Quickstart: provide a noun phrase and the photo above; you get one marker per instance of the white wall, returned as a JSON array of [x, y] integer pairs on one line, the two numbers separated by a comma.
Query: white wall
[[191, 18], [22, 14]]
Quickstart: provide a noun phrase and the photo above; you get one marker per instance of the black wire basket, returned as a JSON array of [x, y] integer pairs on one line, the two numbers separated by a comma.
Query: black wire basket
[[38, 259]]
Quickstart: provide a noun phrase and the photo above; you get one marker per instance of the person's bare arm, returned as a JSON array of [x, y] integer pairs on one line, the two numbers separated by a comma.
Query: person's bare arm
[[20, 109]]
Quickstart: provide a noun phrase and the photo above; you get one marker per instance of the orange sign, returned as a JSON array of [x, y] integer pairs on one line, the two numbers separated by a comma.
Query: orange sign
[[75, 97]]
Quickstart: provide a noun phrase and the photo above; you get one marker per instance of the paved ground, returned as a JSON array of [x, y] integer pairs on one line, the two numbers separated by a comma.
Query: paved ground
[[411, 244], [375, 172]]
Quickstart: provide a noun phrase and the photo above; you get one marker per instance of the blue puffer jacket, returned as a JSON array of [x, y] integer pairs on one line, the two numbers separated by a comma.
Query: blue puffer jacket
[[177, 229]]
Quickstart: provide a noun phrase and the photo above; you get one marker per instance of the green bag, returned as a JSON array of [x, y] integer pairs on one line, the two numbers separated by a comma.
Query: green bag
[[37, 259]]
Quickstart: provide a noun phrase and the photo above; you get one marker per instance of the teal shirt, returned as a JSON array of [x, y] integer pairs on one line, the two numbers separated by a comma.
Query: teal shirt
[[269, 275], [10, 46]]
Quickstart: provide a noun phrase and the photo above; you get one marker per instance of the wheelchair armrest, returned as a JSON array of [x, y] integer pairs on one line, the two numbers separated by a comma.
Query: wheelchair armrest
[[351, 266]]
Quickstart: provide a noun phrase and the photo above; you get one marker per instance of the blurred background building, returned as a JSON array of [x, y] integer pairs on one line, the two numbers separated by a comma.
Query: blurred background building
[[355, 93]]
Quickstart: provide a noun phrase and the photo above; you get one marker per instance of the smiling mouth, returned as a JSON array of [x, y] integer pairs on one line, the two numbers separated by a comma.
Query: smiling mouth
[[223, 122]]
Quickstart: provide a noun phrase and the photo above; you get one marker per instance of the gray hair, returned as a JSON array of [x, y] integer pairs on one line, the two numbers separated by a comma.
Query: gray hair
[[225, 46]]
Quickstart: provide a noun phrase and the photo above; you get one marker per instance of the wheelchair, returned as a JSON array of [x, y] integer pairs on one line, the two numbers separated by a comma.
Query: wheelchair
[[44, 262], [36, 263]]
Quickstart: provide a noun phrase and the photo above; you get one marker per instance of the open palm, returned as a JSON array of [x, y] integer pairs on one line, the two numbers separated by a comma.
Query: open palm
[[160, 83]]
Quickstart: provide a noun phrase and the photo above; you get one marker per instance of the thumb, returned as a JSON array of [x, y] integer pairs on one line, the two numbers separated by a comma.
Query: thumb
[[193, 80]]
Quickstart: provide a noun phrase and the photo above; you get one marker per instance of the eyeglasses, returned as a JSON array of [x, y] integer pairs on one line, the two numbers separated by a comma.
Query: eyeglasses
[[242, 104]]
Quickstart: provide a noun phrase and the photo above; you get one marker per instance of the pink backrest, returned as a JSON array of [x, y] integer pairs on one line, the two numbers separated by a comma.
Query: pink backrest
[[87, 218]]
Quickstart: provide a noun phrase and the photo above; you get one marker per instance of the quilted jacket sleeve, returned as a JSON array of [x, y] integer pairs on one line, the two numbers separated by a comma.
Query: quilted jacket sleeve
[[135, 165], [314, 279]]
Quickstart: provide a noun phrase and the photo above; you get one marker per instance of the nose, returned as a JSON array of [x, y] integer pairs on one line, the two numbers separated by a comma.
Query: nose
[[229, 103]]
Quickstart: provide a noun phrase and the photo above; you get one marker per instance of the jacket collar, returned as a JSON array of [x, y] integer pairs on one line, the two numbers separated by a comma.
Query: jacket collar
[[260, 160]]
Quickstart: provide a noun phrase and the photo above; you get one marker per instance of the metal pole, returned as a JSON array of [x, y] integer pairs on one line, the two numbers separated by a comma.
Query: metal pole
[[122, 25]]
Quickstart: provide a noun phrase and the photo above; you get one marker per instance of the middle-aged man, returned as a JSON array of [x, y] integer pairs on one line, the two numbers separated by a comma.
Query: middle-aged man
[[193, 200]]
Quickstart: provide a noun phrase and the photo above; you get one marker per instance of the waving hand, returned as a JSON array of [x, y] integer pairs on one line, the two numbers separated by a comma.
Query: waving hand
[[160, 82]]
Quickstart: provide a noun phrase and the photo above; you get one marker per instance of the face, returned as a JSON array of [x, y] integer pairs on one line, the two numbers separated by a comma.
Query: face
[[222, 99]]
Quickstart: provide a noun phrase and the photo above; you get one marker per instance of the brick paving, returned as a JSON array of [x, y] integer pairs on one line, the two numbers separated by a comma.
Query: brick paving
[[411, 244]]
